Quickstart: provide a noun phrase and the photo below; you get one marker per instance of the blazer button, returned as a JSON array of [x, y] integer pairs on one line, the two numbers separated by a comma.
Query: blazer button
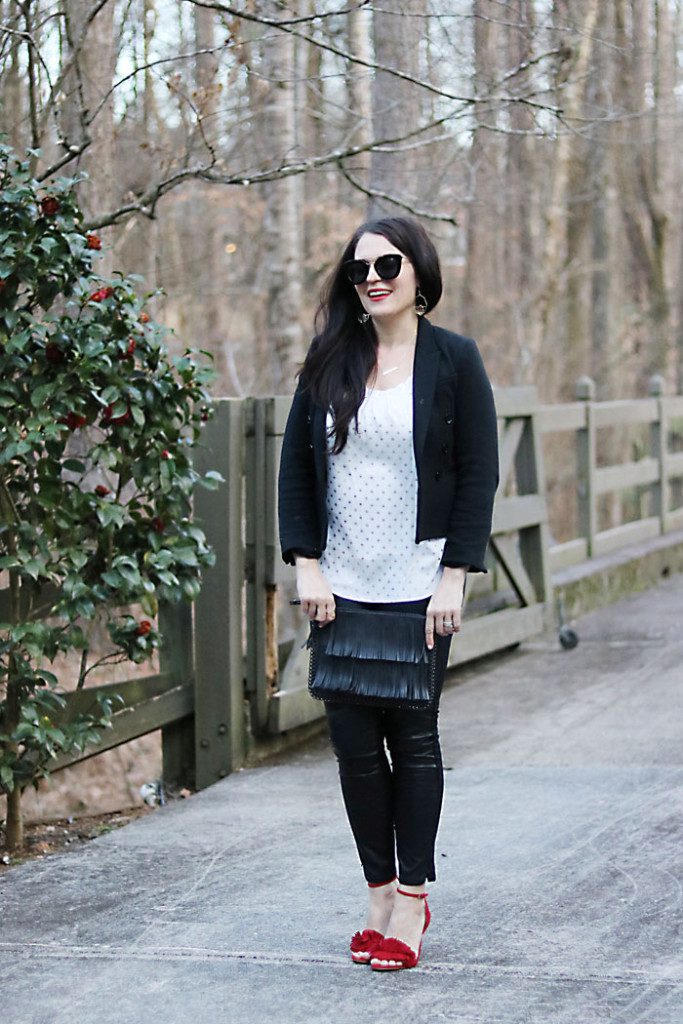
[[449, 418], [437, 475], [308, 418], [444, 449], [310, 446]]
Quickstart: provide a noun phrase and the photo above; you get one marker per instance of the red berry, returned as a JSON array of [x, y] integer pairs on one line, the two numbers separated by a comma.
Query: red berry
[[74, 420], [128, 354], [101, 294], [166, 454], [204, 415], [144, 627], [144, 318], [102, 490], [108, 419], [93, 242], [158, 524], [49, 206]]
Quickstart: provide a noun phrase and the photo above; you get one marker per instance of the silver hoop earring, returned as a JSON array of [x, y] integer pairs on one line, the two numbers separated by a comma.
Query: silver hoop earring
[[363, 317], [420, 303]]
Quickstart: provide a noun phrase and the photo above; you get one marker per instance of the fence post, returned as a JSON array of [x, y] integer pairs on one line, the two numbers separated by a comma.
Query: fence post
[[584, 390], [178, 752], [219, 663], [534, 540], [658, 443], [260, 667]]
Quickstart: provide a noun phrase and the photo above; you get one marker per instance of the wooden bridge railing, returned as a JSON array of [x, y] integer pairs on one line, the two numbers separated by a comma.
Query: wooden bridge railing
[[656, 475], [233, 671]]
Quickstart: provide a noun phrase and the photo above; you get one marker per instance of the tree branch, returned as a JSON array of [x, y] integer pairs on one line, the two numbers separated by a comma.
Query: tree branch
[[376, 194], [146, 204], [284, 26]]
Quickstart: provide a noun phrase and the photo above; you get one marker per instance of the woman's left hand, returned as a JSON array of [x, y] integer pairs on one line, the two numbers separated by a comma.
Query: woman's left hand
[[445, 604]]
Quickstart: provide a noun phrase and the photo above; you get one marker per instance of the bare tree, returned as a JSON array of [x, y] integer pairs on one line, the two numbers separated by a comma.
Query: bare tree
[[280, 270], [484, 241], [396, 40], [640, 198]]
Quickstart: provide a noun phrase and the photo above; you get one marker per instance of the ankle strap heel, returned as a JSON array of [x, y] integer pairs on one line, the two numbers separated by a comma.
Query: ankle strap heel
[[416, 895]]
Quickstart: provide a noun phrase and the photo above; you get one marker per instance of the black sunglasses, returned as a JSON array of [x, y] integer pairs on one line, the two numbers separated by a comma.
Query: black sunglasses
[[388, 267]]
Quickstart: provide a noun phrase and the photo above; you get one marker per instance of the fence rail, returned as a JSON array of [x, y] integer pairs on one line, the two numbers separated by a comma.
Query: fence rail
[[232, 667], [656, 473]]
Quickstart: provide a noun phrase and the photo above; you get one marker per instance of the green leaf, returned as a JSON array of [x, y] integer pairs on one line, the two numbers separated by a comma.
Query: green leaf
[[112, 578], [49, 677], [109, 512], [211, 480], [40, 394], [33, 568], [186, 556], [75, 465]]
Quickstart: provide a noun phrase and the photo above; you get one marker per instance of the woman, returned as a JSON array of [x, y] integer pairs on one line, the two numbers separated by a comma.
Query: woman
[[390, 514]]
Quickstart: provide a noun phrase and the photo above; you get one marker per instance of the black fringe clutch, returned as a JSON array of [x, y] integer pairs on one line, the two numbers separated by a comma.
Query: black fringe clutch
[[372, 657]]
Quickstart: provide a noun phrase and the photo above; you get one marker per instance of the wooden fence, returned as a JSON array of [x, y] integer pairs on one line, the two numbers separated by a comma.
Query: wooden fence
[[656, 475], [233, 669]]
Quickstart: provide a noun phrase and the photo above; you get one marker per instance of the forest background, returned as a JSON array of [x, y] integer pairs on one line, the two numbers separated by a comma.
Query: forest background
[[231, 148]]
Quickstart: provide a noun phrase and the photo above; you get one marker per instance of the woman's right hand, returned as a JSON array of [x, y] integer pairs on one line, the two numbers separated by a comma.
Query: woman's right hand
[[317, 600]]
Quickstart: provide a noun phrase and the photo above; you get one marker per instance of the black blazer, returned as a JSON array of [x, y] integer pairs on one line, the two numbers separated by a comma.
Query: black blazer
[[455, 441]]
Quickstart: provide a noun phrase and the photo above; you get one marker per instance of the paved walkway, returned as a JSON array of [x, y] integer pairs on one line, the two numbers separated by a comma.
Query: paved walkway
[[560, 863]]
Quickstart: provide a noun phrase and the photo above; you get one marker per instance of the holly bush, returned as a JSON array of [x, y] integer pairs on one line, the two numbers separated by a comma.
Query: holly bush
[[97, 427]]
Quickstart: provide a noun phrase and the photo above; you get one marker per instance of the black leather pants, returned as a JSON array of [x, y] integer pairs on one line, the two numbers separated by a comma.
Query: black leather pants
[[393, 808]]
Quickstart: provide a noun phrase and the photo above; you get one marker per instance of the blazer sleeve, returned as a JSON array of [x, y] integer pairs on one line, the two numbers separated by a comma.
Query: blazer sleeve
[[297, 515], [476, 464]]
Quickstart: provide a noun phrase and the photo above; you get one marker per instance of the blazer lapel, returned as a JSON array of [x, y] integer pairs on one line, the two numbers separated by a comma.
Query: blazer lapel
[[425, 372]]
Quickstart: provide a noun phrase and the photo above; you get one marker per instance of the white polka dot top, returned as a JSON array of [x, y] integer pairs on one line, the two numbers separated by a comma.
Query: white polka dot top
[[371, 554]]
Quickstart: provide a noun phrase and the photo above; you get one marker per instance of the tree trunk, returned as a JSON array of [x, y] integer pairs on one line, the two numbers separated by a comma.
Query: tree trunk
[[395, 102], [480, 306], [90, 48], [359, 92], [540, 355], [599, 182], [643, 214], [281, 266], [14, 829], [518, 255], [204, 227], [13, 92]]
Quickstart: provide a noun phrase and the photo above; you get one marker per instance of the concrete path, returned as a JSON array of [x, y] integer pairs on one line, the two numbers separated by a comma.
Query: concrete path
[[560, 863]]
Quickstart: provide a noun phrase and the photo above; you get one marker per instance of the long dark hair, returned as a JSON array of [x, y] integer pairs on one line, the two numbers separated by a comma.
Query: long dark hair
[[344, 351]]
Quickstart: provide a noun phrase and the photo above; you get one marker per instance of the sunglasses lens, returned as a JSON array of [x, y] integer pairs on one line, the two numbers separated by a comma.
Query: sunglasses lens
[[388, 267], [357, 271]]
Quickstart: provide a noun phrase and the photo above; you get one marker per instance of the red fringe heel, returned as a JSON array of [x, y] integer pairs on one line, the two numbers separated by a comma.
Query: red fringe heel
[[363, 944], [395, 955]]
